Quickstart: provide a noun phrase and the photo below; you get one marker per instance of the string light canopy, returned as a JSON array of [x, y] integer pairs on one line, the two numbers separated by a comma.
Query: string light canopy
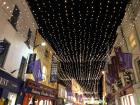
[[81, 32]]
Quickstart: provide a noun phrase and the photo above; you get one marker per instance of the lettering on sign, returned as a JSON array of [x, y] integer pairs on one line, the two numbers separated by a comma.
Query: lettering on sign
[[15, 86], [36, 92], [51, 95], [44, 93], [3, 82], [41, 91]]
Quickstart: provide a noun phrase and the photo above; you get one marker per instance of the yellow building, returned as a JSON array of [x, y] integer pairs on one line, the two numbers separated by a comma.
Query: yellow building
[[44, 53]]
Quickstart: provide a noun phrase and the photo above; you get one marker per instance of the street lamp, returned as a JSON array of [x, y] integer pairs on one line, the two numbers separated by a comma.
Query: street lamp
[[41, 44]]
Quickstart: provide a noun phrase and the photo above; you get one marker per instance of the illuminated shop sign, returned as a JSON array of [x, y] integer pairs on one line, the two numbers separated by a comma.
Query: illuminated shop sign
[[3, 81], [43, 93], [32, 58], [39, 89], [9, 82]]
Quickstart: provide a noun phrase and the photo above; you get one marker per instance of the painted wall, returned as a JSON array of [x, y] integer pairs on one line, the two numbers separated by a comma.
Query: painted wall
[[16, 39]]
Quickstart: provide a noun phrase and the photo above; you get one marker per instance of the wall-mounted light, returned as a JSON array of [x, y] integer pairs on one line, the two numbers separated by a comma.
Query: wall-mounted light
[[41, 44]]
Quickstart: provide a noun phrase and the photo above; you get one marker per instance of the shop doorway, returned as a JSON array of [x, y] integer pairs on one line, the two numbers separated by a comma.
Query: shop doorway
[[11, 98], [41, 102], [128, 100]]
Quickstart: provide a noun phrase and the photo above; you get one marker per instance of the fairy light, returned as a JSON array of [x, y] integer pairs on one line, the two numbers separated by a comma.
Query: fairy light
[[128, 22], [80, 33]]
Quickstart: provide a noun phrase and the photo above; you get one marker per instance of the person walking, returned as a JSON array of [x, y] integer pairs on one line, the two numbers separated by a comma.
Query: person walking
[[1, 101], [6, 101]]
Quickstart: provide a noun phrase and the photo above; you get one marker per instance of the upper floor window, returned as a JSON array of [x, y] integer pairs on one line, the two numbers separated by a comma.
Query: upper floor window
[[27, 42], [4, 47], [15, 15], [132, 41], [22, 68], [138, 71]]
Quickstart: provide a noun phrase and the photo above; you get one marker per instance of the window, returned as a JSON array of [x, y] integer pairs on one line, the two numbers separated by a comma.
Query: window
[[131, 100], [27, 42], [137, 70], [22, 68], [138, 63], [124, 100], [4, 47], [44, 73], [132, 41], [15, 15], [32, 58]]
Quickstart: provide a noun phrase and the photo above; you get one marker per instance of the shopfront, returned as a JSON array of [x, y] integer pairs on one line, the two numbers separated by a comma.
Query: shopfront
[[70, 97], [38, 94], [127, 97], [62, 95], [10, 88]]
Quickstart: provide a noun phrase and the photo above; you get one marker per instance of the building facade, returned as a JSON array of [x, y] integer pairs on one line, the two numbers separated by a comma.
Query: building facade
[[43, 91], [17, 27], [126, 90], [17, 33], [46, 55]]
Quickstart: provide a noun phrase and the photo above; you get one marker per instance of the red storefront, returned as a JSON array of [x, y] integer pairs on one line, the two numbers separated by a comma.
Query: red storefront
[[39, 94]]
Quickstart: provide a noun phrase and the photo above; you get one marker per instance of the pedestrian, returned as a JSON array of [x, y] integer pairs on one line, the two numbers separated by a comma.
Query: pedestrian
[[1, 101], [6, 101]]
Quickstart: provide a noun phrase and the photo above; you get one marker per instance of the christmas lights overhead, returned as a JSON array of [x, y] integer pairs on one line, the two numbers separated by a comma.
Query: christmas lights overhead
[[80, 31]]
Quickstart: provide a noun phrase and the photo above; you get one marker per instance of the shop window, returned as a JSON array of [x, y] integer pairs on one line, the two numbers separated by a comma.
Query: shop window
[[124, 100], [27, 42], [132, 41], [15, 15], [4, 47], [131, 100], [11, 98]]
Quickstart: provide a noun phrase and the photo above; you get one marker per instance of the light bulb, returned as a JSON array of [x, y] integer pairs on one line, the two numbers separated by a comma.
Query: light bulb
[[43, 44]]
